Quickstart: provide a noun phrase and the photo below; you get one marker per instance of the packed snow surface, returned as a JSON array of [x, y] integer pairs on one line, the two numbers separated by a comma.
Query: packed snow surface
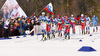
[[32, 46]]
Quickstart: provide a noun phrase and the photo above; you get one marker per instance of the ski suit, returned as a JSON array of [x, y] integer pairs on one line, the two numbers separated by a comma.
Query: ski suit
[[87, 23], [67, 26], [43, 19], [83, 20], [54, 26], [73, 23], [94, 21], [48, 24], [60, 23]]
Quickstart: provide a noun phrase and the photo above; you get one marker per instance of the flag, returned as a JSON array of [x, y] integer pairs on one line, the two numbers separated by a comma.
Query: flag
[[49, 8]]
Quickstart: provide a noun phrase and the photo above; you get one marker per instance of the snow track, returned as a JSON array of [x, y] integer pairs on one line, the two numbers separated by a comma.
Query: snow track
[[32, 46]]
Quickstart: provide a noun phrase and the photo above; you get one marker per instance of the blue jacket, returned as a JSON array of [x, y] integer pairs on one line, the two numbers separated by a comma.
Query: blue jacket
[[48, 20], [43, 18], [94, 19]]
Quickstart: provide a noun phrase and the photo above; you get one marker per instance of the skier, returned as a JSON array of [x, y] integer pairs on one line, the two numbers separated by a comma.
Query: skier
[[94, 21], [82, 20], [60, 25], [67, 23], [53, 28], [48, 25], [43, 24], [88, 21], [72, 18]]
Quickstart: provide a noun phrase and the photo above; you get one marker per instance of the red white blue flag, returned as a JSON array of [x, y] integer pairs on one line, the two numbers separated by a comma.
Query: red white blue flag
[[49, 8]]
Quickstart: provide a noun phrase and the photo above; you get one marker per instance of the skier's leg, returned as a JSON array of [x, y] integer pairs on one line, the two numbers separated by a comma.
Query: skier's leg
[[65, 35], [68, 33], [96, 27], [82, 29], [74, 27], [93, 27], [58, 30], [48, 35], [46, 27], [45, 35], [61, 29], [66, 30], [86, 29], [53, 34], [42, 36]]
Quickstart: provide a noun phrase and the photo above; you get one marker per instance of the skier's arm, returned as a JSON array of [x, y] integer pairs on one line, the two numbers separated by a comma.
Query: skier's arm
[[75, 18], [85, 19], [52, 19], [92, 19], [79, 20], [70, 22], [89, 20], [64, 28], [97, 18], [62, 20]]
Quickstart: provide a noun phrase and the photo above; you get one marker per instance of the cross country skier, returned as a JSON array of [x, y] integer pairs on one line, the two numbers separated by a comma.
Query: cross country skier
[[43, 24], [67, 23], [72, 18], [88, 21], [94, 21], [60, 25], [82, 20], [48, 25], [53, 28]]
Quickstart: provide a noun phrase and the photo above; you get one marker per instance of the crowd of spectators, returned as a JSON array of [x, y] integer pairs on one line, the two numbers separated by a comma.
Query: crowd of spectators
[[18, 25]]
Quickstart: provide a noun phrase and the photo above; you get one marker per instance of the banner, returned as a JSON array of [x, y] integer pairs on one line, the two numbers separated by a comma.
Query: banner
[[11, 9]]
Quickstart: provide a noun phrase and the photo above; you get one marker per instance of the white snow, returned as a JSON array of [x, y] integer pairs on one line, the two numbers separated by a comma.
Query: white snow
[[32, 46]]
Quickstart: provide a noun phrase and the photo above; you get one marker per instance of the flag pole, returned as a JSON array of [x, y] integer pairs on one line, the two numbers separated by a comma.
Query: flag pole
[[40, 11]]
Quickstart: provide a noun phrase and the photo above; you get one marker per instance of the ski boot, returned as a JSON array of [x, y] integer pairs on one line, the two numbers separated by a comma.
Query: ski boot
[[74, 32], [48, 36], [82, 32], [96, 29], [58, 34], [54, 35], [89, 32], [65, 35], [86, 32], [45, 38], [93, 30], [42, 36], [68, 36]]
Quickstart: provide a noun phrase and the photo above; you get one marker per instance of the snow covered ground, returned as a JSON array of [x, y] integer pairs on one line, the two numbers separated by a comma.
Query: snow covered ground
[[32, 46]]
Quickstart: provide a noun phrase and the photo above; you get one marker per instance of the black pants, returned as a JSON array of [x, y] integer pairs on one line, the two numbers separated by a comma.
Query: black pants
[[6, 33]]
